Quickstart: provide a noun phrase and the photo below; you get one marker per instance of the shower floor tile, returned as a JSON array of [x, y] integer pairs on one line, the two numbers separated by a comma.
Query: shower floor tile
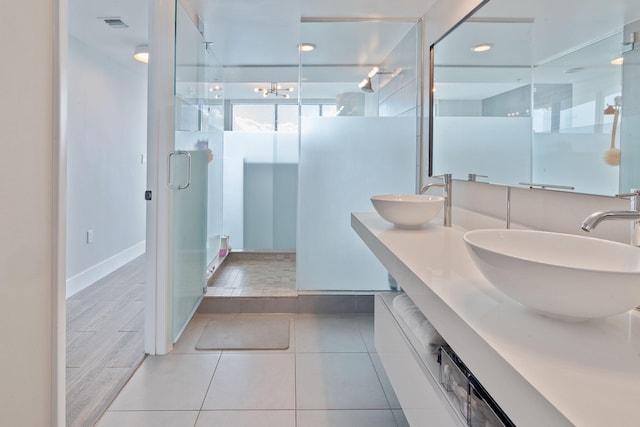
[[255, 274]]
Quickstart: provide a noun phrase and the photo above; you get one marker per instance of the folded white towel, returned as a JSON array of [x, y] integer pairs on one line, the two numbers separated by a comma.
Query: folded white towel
[[417, 323]]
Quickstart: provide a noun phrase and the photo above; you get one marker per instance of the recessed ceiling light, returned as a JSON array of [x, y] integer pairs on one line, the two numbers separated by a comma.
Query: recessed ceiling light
[[482, 47], [618, 61], [573, 70], [306, 47]]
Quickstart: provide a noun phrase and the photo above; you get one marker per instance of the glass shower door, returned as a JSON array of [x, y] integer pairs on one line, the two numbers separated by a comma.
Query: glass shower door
[[188, 178]]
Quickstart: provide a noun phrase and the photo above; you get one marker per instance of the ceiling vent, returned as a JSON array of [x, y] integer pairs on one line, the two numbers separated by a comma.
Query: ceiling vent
[[114, 22]]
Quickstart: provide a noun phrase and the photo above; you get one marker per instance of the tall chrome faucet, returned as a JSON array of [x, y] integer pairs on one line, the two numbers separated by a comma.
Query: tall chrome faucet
[[633, 215], [446, 193]]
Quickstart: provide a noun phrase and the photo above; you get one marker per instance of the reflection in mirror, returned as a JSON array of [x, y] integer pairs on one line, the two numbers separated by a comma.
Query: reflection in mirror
[[576, 108], [630, 115], [552, 101], [481, 101]]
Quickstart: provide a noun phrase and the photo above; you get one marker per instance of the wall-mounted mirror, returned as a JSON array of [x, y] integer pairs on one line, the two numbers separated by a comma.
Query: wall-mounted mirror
[[540, 92]]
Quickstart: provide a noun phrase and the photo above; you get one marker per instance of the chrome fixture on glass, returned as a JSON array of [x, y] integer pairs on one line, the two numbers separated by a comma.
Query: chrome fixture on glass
[[473, 177], [631, 215], [545, 186], [446, 193]]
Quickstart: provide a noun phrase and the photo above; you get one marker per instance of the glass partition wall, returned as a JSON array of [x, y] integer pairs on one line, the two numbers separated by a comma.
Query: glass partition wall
[[304, 142], [261, 174], [367, 145]]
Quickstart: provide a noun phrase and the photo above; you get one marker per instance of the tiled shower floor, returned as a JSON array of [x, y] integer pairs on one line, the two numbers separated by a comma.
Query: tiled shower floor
[[255, 275]]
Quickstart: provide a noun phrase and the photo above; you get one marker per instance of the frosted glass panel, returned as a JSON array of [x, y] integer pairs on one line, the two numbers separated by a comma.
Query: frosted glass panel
[[480, 145], [189, 233], [343, 162], [189, 164], [214, 208], [212, 140], [260, 189], [574, 160], [270, 205]]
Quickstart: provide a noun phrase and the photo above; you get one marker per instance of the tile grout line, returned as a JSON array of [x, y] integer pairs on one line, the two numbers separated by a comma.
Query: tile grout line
[[204, 398], [384, 391], [380, 381], [295, 374], [361, 327]]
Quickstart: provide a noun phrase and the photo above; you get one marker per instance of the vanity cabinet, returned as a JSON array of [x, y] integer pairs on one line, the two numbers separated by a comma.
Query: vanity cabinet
[[432, 387], [540, 371]]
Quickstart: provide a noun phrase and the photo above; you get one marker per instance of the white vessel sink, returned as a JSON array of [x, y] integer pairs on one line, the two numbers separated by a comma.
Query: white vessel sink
[[559, 275], [407, 210]]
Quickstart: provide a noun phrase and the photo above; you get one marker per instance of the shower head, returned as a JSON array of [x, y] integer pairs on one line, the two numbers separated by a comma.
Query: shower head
[[365, 85]]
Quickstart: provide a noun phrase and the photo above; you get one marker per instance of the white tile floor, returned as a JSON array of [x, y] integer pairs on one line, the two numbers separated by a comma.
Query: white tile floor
[[329, 377]]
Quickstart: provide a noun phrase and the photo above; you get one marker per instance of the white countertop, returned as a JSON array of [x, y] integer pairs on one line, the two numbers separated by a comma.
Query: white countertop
[[541, 371]]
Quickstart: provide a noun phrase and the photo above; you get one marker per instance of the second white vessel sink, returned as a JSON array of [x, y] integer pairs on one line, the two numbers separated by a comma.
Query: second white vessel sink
[[559, 275], [407, 210]]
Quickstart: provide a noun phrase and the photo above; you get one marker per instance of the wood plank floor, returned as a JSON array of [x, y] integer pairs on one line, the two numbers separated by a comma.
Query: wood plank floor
[[105, 341]]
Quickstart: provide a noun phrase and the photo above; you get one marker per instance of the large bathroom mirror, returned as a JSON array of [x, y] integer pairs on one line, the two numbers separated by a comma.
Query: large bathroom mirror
[[540, 92]]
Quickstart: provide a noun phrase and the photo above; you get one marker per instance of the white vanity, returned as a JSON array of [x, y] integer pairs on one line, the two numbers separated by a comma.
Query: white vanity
[[541, 371]]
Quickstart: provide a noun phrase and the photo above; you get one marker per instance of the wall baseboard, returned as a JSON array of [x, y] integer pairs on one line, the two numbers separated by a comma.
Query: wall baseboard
[[91, 275]]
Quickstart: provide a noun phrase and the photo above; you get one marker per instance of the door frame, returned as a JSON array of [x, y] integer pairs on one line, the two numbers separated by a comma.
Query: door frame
[[160, 141], [59, 209], [160, 124]]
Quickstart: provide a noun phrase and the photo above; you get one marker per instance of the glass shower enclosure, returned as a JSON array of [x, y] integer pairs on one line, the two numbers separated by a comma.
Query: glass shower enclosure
[[195, 179]]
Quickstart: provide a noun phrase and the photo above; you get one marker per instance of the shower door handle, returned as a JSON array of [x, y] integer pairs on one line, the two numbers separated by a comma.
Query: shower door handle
[[180, 153]]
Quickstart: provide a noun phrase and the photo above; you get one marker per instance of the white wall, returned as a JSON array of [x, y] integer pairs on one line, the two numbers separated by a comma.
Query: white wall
[[107, 124], [27, 194]]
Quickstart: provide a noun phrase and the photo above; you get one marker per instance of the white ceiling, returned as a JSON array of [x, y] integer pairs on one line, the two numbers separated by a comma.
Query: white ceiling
[[267, 31], [116, 44], [256, 40], [251, 32]]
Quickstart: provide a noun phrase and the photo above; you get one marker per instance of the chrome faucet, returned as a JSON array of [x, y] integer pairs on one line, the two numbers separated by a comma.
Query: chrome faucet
[[473, 177], [633, 215], [446, 193]]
